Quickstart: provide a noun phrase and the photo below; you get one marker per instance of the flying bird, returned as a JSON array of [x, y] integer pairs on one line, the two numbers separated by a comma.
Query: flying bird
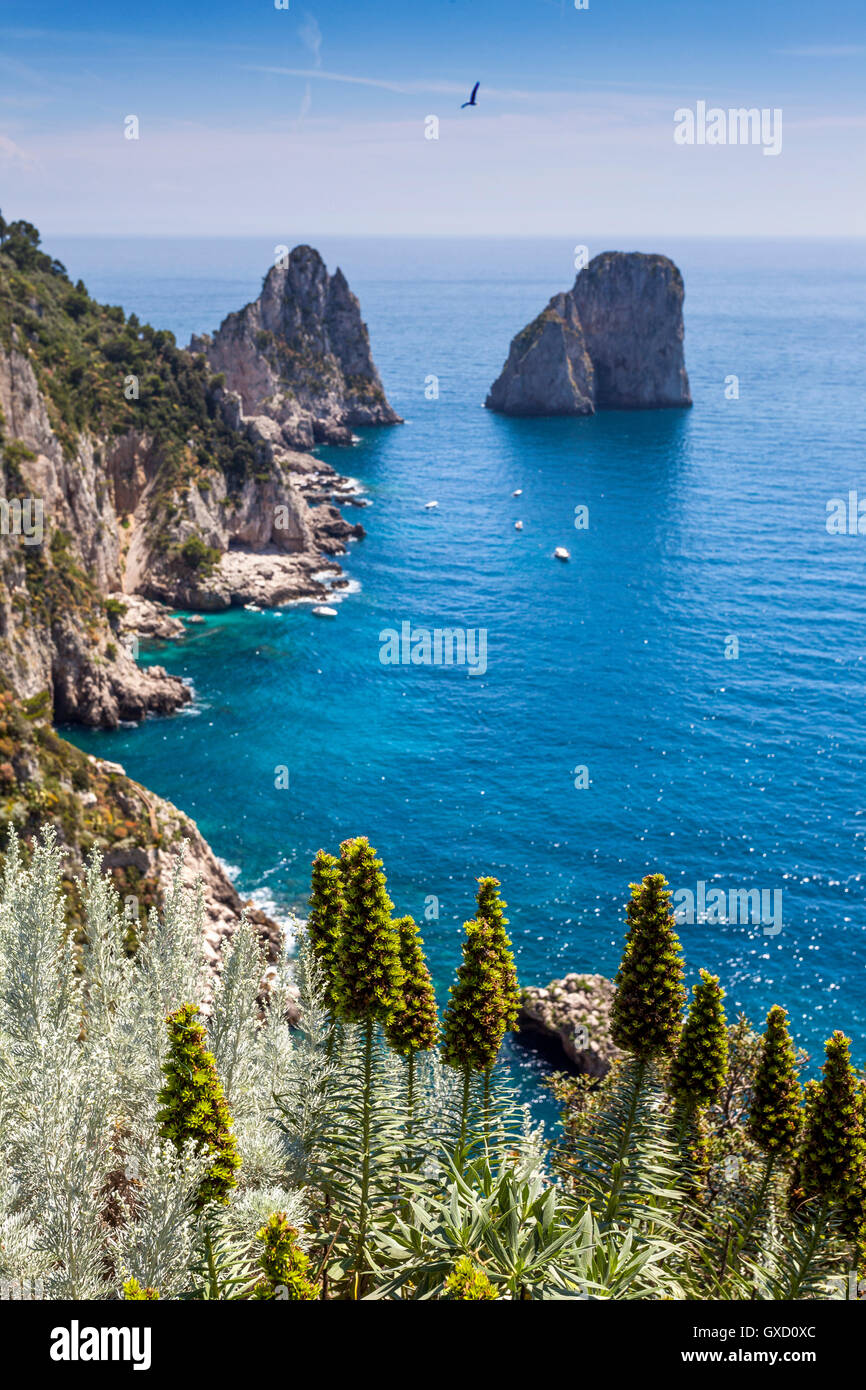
[[472, 101]]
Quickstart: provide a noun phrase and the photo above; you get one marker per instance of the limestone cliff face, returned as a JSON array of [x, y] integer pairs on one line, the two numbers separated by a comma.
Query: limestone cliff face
[[271, 532], [130, 474], [154, 479], [570, 1020], [55, 633], [631, 310], [300, 354], [613, 342], [549, 371]]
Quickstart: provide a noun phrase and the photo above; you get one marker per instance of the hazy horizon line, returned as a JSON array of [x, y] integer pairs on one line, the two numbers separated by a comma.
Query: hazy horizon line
[[460, 236]]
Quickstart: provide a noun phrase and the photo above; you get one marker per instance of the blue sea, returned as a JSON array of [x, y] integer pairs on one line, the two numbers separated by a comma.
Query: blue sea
[[739, 772]]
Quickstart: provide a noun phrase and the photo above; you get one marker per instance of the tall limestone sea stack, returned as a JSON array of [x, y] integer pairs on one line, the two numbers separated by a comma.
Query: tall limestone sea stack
[[612, 342], [300, 354]]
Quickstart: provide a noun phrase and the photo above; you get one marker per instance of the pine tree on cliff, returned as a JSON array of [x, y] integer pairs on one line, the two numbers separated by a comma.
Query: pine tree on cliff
[[698, 1070], [325, 922], [193, 1108]]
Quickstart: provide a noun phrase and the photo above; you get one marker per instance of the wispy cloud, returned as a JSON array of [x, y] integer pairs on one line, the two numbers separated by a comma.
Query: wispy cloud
[[404, 88], [311, 38], [10, 153]]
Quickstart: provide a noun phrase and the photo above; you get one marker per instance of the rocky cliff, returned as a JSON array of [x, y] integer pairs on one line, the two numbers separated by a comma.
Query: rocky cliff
[[151, 477], [57, 564], [569, 1020], [549, 371], [613, 342], [132, 477], [300, 354], [94, 805]]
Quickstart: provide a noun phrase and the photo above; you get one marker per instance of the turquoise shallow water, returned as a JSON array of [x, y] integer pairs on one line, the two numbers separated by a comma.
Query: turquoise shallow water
[[745, 773]]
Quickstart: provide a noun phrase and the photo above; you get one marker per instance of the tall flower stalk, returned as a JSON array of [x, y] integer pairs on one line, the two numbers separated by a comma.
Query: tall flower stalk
[[491, 909], [368, 991], [698, 1070], [646, 1012], [477, 1014], [193, 1109], [775, 1113], [828, 1177], [325, 922], [413, 1027]]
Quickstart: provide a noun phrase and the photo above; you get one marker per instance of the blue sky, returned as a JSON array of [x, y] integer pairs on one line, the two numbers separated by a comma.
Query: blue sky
[[255, 120]]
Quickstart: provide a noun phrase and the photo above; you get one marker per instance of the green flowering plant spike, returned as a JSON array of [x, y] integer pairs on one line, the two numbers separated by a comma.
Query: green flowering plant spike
[[193, 1108], [285, 1265], [325, 921], [474, 1023], [854, 1213], [469, 1283], [370, 973], [645, 1017], [774, 1113], [413, 1027], [831, 1156], [132, 1292], [491, 910], [700, 1064]]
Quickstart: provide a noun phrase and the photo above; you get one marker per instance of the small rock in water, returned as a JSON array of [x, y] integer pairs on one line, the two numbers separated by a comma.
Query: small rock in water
[[571, 1020]]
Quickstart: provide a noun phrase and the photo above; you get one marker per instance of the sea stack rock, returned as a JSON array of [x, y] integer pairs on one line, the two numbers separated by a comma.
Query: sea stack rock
[[300, 354], [548, 371], [613, 342]]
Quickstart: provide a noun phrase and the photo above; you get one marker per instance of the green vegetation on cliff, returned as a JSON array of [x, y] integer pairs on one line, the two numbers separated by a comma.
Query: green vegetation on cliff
[[106, 375], [85, 355]]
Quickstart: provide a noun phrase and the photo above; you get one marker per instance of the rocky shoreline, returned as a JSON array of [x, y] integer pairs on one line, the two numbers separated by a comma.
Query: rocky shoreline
[[156, 479], [568, 1020]]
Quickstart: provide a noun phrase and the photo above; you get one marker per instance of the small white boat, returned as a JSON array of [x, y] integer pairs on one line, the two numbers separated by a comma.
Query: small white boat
[[518, 525], [429, 505], [518, 492], [252, 608], [560, 553], [321, 611]]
